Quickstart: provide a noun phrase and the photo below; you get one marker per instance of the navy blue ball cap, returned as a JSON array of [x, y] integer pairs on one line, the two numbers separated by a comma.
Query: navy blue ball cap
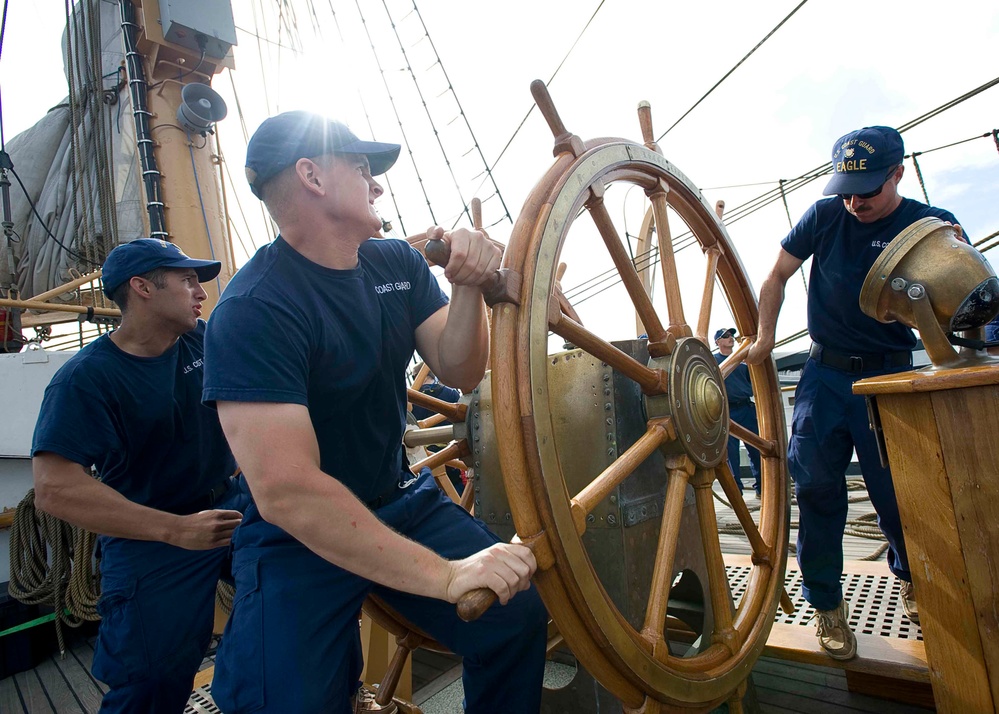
[[144, 254], [863, 159], [725, 332], [284, 139]]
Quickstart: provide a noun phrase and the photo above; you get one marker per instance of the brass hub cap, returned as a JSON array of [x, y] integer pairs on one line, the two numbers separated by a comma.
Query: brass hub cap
[[695, 401]]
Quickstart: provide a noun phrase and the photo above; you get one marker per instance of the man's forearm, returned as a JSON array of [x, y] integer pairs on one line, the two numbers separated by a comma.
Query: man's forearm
[[326, 517], [463, 348], [89, 504], [771, 299]]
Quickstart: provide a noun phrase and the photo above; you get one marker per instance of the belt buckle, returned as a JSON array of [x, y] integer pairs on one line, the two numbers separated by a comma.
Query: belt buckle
[[856, 363], [409, 482]]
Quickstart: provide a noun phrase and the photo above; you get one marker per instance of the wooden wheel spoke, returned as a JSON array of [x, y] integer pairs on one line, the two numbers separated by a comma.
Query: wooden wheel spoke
[[421, 376], [707, 296], [766, 447], [667, 262], [652, 381], [736, 358], [659, 432], [721, 602], [626, 269], [680, 469], [454, 412], [432, 420], [455, 449], [761, 551]]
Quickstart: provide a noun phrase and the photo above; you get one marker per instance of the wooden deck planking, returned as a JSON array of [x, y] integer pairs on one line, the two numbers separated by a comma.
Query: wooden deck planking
[[10, 700], [33, 695], [79, 679], [63, 698]]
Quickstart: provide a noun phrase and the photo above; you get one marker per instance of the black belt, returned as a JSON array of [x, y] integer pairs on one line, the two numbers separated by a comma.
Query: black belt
[[859, 361], [390, 495], [740, 403], [214, 495]]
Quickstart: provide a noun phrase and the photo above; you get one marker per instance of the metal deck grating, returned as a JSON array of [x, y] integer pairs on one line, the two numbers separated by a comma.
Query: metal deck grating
[[875, 608], [201, 702]]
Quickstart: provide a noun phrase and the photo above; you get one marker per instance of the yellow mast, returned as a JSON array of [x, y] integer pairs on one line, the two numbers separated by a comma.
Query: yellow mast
[[189, 183]]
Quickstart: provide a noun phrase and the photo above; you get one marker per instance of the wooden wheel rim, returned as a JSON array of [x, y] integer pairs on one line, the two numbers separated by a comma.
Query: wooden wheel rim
[[596, 631]]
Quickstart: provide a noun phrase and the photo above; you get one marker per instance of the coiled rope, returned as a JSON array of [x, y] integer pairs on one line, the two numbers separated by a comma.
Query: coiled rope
[[43, 553], [863, 526], [51, 563]]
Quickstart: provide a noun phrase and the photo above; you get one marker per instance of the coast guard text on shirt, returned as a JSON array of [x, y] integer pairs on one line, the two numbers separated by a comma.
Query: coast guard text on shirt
[[193, 366], [389, 287]]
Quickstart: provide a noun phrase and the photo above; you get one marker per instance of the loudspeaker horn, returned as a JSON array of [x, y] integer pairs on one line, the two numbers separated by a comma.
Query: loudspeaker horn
[[930, 279], [200, 107]]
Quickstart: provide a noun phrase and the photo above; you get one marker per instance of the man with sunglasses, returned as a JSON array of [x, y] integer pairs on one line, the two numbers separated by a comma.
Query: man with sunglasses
[[844, 235]]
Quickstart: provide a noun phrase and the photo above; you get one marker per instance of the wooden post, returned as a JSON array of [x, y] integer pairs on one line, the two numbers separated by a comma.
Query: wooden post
[[378, 647], [939, 428]]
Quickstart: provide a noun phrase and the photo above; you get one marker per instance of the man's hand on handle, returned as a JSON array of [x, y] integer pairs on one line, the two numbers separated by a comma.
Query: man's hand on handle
[[504, 568], [760, 350], [474, 258]]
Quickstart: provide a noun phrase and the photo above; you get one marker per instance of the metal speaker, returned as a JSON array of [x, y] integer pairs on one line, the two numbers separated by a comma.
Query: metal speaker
[[200, 107], [931, 280]]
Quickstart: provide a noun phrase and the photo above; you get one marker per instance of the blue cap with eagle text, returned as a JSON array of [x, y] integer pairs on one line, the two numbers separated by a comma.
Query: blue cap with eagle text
[[864, 159]]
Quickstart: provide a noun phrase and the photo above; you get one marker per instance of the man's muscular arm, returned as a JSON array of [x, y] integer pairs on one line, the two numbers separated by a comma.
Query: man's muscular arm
[[455, 340], [275, 445], [65, 489], [771, 299]]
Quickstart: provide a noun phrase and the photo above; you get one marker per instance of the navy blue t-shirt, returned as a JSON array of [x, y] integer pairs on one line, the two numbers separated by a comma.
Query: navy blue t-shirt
[[336, 341], [738, 387], [843, 250], [139, 421]]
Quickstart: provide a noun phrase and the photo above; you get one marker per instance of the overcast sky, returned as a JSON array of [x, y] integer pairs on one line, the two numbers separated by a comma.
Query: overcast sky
[[833, 67]]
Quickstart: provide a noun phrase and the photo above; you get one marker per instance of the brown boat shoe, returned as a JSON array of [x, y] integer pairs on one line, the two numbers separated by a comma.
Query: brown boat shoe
[[907, 594], [834, 633], [364, 703]]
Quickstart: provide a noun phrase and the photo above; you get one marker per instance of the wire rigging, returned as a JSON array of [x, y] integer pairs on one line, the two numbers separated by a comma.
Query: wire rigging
[[548, 83], [737, 65]]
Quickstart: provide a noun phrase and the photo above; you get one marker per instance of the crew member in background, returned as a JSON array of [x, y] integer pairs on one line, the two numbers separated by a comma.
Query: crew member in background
[[844, 235], [316, 421], [165, 499], [741, 409], [434, 388]]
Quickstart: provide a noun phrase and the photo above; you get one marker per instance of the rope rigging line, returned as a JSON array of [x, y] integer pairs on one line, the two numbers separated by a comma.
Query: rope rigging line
[[737, 65], [577, 293], [398, 119], [548, 83], [371, 129], [461, 111], [423, 101]]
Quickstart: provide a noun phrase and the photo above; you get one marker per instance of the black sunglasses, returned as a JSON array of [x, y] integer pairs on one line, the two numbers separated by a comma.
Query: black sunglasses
[[870, 194]]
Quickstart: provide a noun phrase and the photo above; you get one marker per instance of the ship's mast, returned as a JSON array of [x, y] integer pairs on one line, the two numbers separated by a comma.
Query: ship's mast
[[181, 187]]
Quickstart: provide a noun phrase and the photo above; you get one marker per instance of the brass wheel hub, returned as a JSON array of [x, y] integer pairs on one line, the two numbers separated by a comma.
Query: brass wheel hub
[[696, 402]]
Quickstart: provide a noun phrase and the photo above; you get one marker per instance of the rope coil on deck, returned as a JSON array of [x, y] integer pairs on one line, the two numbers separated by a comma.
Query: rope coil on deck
[[43, 552], [863, 526]]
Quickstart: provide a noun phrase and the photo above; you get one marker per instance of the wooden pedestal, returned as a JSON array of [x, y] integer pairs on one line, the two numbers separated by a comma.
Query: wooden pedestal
[[940, 429]]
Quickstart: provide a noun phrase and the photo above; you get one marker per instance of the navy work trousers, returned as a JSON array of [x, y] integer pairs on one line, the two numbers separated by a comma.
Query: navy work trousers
[[292, 643], [829, 422], [157, 607], [744, 415]]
